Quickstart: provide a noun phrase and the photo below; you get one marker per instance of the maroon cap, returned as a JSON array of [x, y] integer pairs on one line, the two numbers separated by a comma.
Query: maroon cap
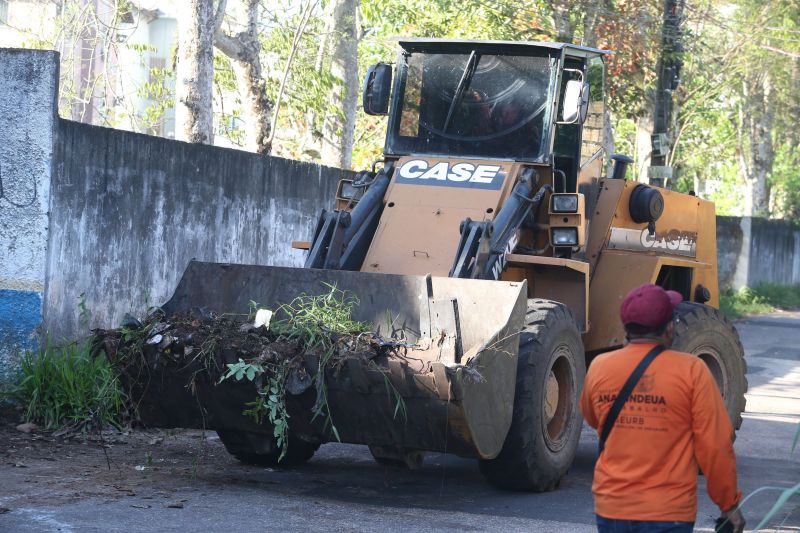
[[649, 305]]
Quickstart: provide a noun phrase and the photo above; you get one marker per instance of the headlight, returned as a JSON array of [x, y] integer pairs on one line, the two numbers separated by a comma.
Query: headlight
[[565, 236], [564, 203]]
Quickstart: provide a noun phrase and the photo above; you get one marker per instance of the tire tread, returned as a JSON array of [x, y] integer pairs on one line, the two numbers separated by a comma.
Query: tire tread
[[518, 469]]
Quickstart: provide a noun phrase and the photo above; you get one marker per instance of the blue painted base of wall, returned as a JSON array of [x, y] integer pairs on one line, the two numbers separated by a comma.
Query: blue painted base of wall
[[20, 318]]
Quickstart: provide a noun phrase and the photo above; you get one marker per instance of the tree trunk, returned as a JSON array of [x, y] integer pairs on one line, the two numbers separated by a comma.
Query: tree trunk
[[244, 49], [195, 72], [565, 28], [338, 128], [591, 16], [793, 136], [758, 118], [644, 146], [608, 140]]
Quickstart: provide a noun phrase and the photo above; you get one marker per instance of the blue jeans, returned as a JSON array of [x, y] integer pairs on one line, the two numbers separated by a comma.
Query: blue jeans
[[613, 525]]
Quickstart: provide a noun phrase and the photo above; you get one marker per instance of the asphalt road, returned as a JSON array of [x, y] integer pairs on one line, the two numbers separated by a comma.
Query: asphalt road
[[342, 489]]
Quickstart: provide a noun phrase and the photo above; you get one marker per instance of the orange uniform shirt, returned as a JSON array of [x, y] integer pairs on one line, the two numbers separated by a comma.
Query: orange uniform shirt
[[674, 420]]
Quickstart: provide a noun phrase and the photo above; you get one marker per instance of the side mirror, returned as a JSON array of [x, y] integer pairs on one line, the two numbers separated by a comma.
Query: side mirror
[[576, 102], [377, 85]]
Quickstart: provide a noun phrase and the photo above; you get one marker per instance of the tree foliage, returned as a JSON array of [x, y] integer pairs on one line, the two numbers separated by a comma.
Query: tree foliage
[[734, 135]]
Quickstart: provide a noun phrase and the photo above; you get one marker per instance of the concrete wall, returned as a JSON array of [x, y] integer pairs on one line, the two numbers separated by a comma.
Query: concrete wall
[[28, 89], [116, 216], [129, 211], [754, 250]]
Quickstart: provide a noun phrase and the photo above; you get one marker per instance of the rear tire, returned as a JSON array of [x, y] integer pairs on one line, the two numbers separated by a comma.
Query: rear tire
[[397, 457], [705, 332], [259, 449], [546, 424]]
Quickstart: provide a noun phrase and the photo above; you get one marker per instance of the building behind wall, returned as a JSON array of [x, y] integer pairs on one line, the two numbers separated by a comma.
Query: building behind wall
[[117, 67]]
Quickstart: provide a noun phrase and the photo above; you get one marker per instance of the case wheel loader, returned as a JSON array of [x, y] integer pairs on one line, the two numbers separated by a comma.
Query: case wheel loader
[[492, 238]]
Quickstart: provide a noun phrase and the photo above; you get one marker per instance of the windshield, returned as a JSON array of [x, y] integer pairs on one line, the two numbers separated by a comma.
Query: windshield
[[474, 105]]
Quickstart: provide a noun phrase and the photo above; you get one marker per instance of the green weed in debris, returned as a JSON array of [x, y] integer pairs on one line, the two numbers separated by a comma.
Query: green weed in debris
[[66, 386], [271, 400], [392, 393], [241, 369], [317, 321]]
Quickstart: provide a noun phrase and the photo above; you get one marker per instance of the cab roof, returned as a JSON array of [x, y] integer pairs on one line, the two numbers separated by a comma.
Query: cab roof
[[415, 44]]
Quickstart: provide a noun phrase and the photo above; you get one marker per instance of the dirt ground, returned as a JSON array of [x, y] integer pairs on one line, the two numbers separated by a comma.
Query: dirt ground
[[184, 480], [42, 468]]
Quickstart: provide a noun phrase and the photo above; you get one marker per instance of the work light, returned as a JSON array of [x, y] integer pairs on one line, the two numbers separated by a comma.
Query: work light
[[565, 236], [564, 203]]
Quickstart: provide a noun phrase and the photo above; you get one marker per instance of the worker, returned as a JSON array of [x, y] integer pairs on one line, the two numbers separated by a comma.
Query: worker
[[507, 117], [674, 420]]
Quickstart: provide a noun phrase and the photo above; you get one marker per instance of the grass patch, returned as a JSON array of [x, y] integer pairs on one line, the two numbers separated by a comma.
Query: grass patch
[[786, 297], [763, 298], [64, 386]]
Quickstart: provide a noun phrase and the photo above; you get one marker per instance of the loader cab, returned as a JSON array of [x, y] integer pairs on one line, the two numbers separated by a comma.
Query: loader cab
[[579, 142], [494, 101]]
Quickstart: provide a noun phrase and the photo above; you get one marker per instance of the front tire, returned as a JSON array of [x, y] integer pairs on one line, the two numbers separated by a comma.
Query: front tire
[[546, 424], [397, 457], [259, 449], [704, 331]]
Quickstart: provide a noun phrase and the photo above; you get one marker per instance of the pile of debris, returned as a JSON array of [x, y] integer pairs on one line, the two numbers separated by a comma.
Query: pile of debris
[[198, 339], [159, 358]]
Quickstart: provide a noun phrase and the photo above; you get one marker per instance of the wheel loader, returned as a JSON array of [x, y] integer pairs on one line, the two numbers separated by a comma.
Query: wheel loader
[[496, 238]]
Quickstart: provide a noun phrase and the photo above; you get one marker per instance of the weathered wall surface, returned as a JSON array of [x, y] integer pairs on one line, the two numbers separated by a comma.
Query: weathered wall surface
[[730, 237], [116, 216], [28, 88], [754, 250], [774, 252], [129, 211]]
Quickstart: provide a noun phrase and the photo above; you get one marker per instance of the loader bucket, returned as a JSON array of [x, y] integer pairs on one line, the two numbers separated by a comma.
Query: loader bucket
[[457, 381]]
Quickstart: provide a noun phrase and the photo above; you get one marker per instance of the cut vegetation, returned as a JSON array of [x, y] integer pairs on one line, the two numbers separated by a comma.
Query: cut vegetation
[[259, 366]]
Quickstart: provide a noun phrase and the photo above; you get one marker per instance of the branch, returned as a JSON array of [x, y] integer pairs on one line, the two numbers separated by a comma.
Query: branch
[[229, 45], [295, 45], [219, 16], [779, 51]]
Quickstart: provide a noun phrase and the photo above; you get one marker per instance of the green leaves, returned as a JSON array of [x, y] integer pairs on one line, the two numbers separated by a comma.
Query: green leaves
[[271, 401], [241, 370], [66, 386], [316, 320]]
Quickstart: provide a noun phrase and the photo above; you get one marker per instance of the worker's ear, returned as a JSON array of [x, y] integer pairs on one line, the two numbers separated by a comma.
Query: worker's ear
[[669, 332]]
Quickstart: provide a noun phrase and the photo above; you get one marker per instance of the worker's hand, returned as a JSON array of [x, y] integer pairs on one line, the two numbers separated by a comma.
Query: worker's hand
[[735, 518]]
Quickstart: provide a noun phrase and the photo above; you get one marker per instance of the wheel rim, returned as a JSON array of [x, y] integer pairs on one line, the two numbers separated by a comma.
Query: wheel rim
[[557, 400], [711, 357]]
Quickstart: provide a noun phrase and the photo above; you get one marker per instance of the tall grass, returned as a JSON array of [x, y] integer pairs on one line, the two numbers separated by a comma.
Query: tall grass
[[762, 298], [65, 386]]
